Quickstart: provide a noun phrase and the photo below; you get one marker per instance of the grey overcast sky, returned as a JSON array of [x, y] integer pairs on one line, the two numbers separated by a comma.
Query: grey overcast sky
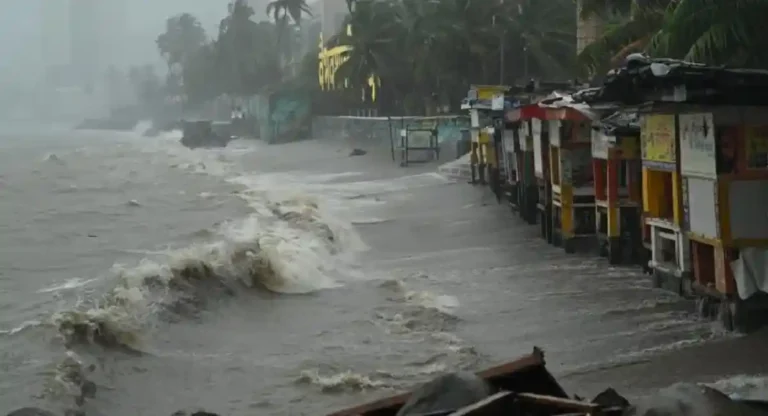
[[21, 26]]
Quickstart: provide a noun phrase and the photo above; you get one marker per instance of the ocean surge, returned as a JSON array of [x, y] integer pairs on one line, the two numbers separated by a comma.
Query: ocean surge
[[294, 242], [289, 254], [339, 382]]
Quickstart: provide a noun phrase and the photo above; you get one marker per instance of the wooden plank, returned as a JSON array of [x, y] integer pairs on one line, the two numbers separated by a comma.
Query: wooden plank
[[536, 359], [491, 406], [558, 402], [502, 403]]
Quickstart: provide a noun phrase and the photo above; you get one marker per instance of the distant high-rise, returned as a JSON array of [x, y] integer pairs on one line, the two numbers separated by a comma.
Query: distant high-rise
[[331, 14], [55, 48], [85, 48]]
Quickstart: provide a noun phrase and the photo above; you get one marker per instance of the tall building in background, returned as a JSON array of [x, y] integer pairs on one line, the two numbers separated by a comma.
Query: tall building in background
[[331, 14], [113, 34], [55, 36], [97, 38], [84, 28]]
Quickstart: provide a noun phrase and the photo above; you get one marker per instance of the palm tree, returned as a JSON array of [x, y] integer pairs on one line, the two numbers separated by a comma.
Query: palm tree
[[245, 51], [432, 50], [629, 27], [182, 37], [604, 8], [543, 32], [708, 31], [715, 32], [282, 9]]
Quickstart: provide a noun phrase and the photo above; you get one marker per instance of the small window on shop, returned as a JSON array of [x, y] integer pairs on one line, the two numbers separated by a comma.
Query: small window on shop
[[485, 120], [726, 143], [756, 147], [623, 173]]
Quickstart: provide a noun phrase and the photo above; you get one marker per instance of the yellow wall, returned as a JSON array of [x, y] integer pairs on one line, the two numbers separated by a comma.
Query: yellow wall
[[653, 192], [662, 195], [566, 205]]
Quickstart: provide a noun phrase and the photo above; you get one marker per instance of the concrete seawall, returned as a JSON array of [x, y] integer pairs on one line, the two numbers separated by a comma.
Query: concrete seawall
[[384, 134]]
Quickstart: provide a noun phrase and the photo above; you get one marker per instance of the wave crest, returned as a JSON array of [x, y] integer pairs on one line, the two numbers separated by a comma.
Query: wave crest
[[291, 253], [339, 382]]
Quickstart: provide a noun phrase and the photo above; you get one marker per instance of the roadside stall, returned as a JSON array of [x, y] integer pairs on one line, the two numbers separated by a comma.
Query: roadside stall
[[704, 147], [571, 174], [485, 104], [525, 122], [618, 189], [724, 168]]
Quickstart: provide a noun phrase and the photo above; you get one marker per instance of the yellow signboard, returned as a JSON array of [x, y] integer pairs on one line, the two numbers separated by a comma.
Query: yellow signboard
[[487, 92], [657, 138], [756, 147], [329, 62], [627, 148]]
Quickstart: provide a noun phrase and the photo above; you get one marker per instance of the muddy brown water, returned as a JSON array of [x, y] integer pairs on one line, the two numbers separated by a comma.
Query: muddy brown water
[[421, 276]]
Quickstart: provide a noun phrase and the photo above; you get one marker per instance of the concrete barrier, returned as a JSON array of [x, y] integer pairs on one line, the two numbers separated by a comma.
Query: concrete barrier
[[457, 169], [385, 133]]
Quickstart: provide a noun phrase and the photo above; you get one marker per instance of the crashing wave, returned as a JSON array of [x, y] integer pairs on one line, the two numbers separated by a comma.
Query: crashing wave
[[294, 253], [422, 299], [53, 158], [70, 379], [339, 382]]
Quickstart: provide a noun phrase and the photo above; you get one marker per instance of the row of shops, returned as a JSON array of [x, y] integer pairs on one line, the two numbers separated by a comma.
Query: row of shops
[[663, 166]]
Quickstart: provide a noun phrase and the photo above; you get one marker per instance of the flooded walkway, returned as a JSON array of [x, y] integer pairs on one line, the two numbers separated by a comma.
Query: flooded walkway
[[511, 290]]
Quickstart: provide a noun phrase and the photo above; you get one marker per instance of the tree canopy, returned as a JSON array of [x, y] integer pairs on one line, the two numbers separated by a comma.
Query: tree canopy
[[243, 58], [720, 32], [182, 37], [432, 50], [423, 54]]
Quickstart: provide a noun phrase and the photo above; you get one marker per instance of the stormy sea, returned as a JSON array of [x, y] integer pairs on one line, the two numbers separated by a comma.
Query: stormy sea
[[139, 277]]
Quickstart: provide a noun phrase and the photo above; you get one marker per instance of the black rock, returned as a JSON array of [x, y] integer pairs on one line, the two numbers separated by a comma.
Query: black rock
[[446, 393], [357, 152], [610, 398], [687, 399], [203, 133]]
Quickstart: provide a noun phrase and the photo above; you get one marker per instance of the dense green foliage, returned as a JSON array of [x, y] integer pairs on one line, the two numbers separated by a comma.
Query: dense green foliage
[[418, 48], [427, 52], [720, 32], [244, 58], [432, 50]]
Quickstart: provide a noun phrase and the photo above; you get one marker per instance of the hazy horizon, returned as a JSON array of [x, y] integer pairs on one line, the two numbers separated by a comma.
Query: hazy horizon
[[22, 31], [51, 65]]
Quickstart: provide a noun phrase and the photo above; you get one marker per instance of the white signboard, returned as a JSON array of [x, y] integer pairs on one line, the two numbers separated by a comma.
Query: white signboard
[[702, 213], [538, 156], [497, 102], [554, 132], [599, 145], [509, 141], [698, 155], [523, 136]]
